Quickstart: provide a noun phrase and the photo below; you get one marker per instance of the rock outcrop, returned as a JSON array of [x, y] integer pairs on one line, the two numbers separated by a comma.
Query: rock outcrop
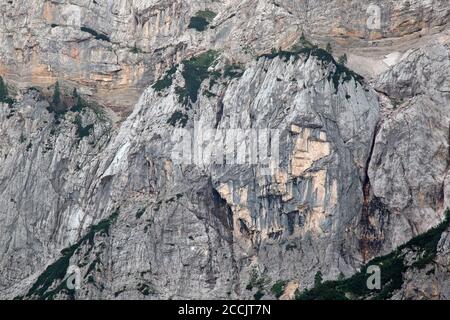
[[251, 161]]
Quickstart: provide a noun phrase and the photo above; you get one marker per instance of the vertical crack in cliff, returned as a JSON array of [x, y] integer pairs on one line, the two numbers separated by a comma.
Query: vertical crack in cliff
[[219, 111], [373, 215], [224, 213], [222, 210]]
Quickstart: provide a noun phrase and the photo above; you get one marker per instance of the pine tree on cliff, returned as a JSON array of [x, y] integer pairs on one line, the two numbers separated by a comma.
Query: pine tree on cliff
[[79, 104], [302, 37], [318, 278], [56, 101], [329, 48], [3, 90], [343, 59]]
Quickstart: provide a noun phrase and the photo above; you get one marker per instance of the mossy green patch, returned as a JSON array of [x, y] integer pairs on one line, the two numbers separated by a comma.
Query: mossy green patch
[[178, 118], [278, 288], [195, 71], [145, 289], [135, 50], [201, 20], [258, 295], [166, 81]]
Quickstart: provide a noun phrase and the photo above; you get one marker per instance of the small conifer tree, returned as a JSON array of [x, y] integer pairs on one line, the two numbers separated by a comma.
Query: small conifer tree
[[329, 48], [3, 90], [56, 100], [343, 59]]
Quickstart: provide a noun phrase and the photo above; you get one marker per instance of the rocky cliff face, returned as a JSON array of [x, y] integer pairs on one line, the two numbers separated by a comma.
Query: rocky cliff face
[[131, 207], [409, 165], [114, 49]]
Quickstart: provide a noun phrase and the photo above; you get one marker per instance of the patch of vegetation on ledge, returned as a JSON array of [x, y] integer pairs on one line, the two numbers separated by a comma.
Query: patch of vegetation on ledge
[[178, 117], [195, 71], [166, 81], [140, 212], [145, 289], [392, 267], [278, 288], [63, 102], [57, 271], [97, 36], [306, 48], [201, 20], [257, 281]]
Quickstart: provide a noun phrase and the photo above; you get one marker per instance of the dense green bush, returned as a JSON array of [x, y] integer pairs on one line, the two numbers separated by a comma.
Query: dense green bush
[[140, 212], [198, 23], [195, 71], [82, 132], [318, 278], [201, 20], [329, 48], [258, 295], [343, 59], [57, 105], [56, 100], [145, 289]]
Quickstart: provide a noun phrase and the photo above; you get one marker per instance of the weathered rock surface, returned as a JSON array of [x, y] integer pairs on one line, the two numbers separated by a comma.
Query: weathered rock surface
[[409, 164], [211, 227], [363, 165]]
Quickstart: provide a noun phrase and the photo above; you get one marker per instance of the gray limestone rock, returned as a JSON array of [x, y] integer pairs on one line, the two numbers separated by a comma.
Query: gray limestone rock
[[118, 195]]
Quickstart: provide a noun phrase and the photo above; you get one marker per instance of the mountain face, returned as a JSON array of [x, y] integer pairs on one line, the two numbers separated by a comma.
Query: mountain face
[[128, 134]]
